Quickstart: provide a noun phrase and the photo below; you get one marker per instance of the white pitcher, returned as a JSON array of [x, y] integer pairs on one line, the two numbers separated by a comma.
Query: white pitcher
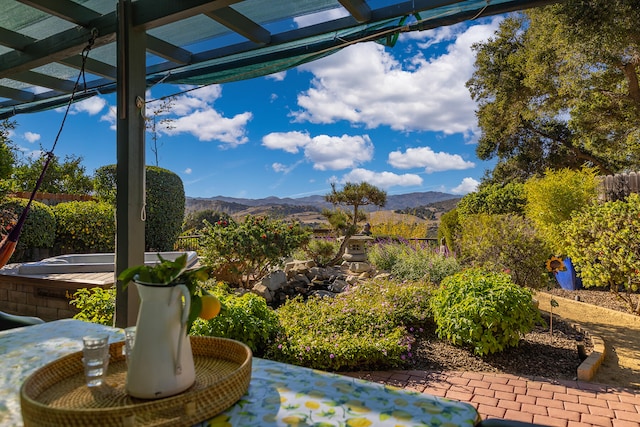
[[161, 363]]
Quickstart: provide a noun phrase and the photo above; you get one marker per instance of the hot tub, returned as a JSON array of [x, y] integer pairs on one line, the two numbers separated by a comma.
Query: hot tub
[[92, 263]]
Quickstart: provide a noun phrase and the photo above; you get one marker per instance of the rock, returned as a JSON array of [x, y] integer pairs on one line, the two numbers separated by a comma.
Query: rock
[[338, 286], [263, 291], [359, 267], [301, 278], [275, 280]]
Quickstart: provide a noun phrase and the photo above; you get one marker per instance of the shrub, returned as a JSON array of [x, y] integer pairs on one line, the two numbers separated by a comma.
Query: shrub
[[412, 263], [243, 253], [483, 310], [165, 203], [552, 199], [96, 305], [603, 242], [85, 227], [494, 199], [194, 221], [384, 255], [424, 265], [400, 229], [320, 250], [368, 328], [245, 318], [39, 230], [449, 228], [505, 243]]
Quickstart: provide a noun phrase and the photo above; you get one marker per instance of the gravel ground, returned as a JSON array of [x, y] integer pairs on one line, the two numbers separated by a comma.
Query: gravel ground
[[538, 354]]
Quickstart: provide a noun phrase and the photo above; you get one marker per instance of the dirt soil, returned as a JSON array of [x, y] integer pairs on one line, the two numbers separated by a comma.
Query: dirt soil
[[619, 330], [537, 355], [557, 358]]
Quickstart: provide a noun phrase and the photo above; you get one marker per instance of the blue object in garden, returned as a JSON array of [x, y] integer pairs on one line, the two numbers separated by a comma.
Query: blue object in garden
[[568, 279]]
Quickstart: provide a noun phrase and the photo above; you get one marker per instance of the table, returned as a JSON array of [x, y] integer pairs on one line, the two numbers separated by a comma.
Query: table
[[279, 394]]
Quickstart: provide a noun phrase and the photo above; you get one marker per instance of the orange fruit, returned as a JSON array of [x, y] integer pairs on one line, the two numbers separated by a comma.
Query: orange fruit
[[210, 307]]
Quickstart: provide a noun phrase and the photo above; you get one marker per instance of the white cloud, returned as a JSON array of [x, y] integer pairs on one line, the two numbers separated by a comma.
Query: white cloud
[[335, 153], [188, 171], [279, 76], [467, 185], [32, 137], [324, 151], [290, 142], [366, 85], [91, 106], [279, 167], [382, 179], [425, 157], [110, 117], [209, 125]]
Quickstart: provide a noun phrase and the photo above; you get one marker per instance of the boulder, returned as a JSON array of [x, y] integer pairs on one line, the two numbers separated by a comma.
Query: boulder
[[263, 291]]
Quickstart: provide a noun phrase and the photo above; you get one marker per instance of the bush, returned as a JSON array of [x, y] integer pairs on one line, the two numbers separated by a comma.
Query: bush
[[384, 255], [483, 310], [449, 228], [39, 229], [494, 199], [424, 265], [85, 227], [405, 262], [368, 328], [243, 253], [507, 243], [320, 250], [165, 204], [194, 221], [96, 305], [552, 199], [245, 318], [603, 242]]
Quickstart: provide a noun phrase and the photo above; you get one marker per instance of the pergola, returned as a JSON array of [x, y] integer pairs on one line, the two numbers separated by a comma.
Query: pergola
[[136, 44]]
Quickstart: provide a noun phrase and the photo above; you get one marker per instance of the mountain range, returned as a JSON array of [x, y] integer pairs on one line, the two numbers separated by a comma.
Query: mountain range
[[232, 205]]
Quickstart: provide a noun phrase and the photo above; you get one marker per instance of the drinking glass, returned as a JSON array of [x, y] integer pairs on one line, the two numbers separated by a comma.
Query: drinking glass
[[95, 349]]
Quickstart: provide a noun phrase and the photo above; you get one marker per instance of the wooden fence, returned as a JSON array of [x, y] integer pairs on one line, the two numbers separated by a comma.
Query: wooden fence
[[618, 186]]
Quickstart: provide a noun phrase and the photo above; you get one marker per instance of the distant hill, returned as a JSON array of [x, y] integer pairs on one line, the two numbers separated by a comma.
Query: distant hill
[[287, 206]]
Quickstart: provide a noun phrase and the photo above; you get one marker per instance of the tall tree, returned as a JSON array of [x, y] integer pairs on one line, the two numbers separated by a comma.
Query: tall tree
[[7, 156], [558, 87], [67, 176]]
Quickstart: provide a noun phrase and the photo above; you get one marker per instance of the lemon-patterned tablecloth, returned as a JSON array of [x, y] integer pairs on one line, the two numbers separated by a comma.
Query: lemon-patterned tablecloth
[[279, 394]]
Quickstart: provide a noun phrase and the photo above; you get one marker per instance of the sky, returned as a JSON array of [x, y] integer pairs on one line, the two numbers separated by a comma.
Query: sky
[[399, 118]]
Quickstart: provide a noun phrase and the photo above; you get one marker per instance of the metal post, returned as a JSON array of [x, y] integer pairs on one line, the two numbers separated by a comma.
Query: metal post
[[130, 159]]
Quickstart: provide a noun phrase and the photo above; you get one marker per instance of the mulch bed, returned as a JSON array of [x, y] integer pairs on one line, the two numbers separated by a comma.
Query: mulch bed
[[538, 354]]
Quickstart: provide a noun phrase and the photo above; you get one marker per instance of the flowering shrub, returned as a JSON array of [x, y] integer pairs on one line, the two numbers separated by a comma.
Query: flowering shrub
[[368, 328], [245, 318], [242, 253], [483, 310]]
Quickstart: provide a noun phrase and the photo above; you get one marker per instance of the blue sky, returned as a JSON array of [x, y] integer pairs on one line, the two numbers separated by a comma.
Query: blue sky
[[399, 118]]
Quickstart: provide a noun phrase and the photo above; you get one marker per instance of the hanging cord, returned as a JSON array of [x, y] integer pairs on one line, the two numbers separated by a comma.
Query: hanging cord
[[7, 245]]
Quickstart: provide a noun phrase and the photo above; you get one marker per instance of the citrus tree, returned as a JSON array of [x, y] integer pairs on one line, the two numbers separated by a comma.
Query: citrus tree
[[604, 242]]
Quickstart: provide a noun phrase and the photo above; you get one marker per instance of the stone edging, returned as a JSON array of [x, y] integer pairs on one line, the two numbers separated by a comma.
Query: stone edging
[[588, 368]]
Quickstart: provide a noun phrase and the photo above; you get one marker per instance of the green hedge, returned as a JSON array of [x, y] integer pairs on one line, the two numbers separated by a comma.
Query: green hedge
[[85, 227], [39, 229], [165, 203]]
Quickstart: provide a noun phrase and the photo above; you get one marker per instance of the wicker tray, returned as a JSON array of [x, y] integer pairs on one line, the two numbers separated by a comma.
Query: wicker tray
[[56, 394]]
